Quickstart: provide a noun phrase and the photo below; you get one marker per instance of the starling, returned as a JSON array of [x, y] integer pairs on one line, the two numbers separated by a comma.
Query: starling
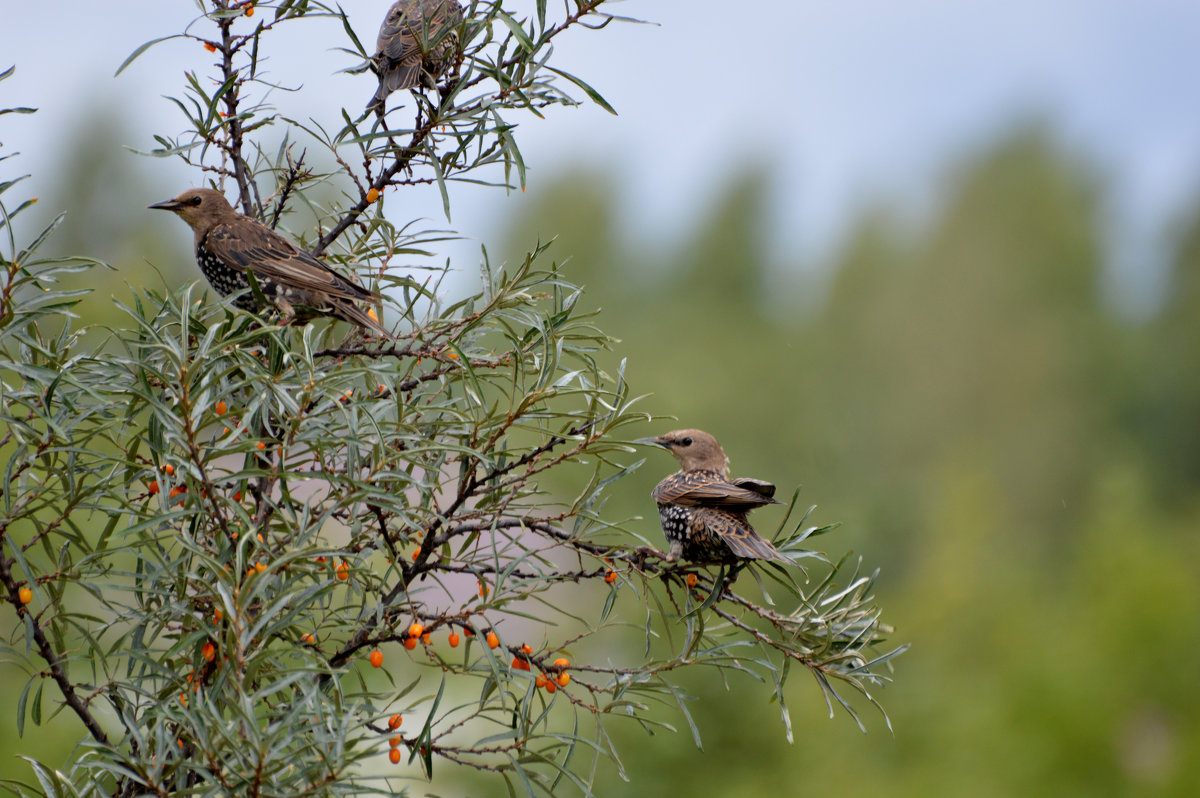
[[703, 512], [418, 43], [228, 245]]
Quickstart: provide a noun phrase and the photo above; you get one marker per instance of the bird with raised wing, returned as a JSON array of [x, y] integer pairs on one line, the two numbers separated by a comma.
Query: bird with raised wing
[[418, 43], [703, 511], [229, 245]]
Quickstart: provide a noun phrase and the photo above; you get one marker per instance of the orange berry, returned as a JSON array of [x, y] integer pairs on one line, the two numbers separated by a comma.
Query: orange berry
[[415, 630], [237, 495], [217, 615], [540, 681], [395, 741], [562, 662], [416, 553], [394, 722], [307, 638], [453, 640], [376, 659], [226, 432], [691, 580], [372, 196], [321, 559], [427, 638], [483, 590], [176, 491], [25, 595], [152, 488], [468, 631], [410, 643], [259, 567], [519, 664], [563, 679], [550, 688], [452, 355], [212, 48], [525, 649], [492, 640], [394, 756], [260, 446], [343, 572], [169, 470], [610, 577], [221, 407], [208, 651]]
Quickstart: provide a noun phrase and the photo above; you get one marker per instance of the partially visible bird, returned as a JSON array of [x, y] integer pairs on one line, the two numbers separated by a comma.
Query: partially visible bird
[[228, 245], [702, 511], [418, 43]]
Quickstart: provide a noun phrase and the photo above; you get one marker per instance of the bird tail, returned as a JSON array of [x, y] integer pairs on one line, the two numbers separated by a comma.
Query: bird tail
[[754, 547], [394, 77], [349, 311]]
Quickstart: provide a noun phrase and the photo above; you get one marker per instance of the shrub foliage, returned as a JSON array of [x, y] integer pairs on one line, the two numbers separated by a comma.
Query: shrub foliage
[[264, 560]]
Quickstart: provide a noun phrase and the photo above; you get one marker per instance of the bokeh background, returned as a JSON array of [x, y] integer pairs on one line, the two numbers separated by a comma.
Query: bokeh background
[[938, 263]]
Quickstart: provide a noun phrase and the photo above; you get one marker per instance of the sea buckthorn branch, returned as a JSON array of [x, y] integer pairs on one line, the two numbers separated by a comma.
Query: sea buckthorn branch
[[55, 662]]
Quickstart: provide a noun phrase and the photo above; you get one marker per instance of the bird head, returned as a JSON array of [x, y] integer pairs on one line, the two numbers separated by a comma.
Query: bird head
[[202, 208], [695, 450]]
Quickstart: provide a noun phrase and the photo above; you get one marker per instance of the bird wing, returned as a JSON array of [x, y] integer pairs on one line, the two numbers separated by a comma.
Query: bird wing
[[757, 485], [249, 245], [396, 40], [708, 489], [413, 26], [735, 531]]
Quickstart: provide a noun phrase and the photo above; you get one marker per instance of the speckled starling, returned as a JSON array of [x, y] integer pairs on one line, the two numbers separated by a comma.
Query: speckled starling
[[229, 244], [418, 43], [703, 512]]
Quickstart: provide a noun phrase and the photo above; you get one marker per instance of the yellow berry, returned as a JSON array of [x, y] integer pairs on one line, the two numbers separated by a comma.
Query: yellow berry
[[563, 679]]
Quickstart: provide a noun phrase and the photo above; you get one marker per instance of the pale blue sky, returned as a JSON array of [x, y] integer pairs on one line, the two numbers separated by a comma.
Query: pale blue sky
[[845, 100]]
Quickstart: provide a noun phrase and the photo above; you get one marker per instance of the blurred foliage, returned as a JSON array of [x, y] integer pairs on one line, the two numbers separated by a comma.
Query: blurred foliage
[[1024, 463]]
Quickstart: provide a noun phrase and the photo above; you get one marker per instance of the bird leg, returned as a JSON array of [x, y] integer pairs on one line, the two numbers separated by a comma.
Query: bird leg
[[285, 308], [676, 551]]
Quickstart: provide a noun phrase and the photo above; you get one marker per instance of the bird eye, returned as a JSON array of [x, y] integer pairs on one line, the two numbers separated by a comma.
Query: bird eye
[[686, 442], [195, 200]]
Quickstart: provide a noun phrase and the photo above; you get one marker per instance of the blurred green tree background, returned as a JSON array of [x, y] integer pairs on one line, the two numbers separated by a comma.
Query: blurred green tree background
[[1022, 462]]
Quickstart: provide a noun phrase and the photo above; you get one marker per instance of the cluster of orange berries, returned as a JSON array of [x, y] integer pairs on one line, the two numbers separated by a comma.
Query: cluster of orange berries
[[550, 681]]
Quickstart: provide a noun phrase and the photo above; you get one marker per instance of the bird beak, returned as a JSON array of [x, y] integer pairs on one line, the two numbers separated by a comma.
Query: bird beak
[[652, 441], [167, 205]]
